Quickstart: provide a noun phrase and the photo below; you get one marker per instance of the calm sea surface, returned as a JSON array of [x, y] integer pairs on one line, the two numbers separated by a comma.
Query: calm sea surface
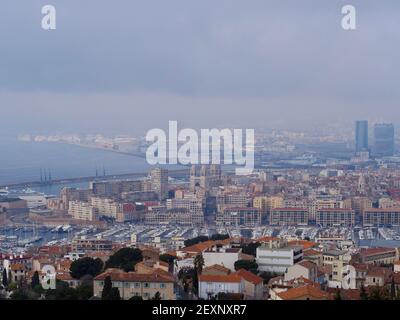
[[22, 162]]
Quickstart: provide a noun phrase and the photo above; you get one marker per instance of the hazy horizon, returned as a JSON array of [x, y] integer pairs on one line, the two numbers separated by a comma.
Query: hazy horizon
[[131, 66]]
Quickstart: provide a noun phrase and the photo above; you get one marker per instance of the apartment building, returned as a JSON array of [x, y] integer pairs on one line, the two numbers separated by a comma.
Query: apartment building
[[222, 256], [133, 284], [86, 245], [336, 260], [159, 182], [193, 205], [266, 204], [278, 259], [313, 205], [249, 217], [232, 200], [212, 285], [305, 269], [71, 194], [157, 215], [107, 207], [83, 211], [289, 217], [115, 188], [378, 256], [335, 217], [381, 217], [358, 204]]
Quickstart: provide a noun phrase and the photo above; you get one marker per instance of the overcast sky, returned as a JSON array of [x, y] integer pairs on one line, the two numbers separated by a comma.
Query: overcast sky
[[125, 66]]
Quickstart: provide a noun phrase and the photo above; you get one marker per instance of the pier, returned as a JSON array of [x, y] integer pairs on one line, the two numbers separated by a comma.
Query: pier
[[178, 174]]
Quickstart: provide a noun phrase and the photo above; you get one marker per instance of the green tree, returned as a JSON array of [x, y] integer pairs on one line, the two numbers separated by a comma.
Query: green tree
[[84, 292], [229, 296], [109, 292], [62, 292], [392, 290], [35, 280], [167, 258], [86, 266], [251, 248], [188, 276], [363, 293], [139, 298], [5, 278], [267, 276], [157, 296], [338, 295], [198, 263], [218, 236], [378, 293], [193, 241], [125, 258], [19, 294], [247, 265], [106, 288]]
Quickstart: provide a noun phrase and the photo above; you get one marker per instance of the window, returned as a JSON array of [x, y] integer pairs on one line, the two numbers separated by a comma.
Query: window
[[162, 285], [137, 284], [146, 285]]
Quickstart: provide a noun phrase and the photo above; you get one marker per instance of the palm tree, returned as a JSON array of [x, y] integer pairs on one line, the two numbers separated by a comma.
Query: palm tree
[[363, 293], [199, 263]]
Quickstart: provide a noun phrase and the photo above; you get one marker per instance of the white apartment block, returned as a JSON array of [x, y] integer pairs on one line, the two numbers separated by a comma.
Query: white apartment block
[[278, 260], [223, 256]]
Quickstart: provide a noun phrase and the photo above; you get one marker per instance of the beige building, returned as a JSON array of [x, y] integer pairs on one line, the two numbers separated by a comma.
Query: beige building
[[305, 269], [83, 211], [71, 194], [232, 200], [88, 245], [313, 205], [106, 207], [359, 204], [193, 205], [253, 285], [266, 204], [336, 259], [159, 182], [176, 216], [132, 284]]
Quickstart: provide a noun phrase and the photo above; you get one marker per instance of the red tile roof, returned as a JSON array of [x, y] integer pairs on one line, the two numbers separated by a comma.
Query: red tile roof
[[304, 243], [307, 291], [231, 278], [249, 276], [118, 275], [217, 267], [307, 264]]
